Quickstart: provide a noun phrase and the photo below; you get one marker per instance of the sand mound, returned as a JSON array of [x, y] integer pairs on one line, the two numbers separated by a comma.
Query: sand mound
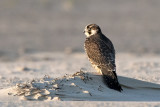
[[70, 87], [85, 86]]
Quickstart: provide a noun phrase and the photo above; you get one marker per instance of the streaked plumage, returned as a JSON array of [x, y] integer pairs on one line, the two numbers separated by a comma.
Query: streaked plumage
[[101, 54]]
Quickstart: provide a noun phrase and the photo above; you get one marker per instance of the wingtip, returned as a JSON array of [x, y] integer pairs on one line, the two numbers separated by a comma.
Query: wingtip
[[116, 87], [112, 83], [119, 89]]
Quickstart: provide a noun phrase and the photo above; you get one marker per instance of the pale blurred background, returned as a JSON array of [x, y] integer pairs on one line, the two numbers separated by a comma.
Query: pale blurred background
[[28, 26]]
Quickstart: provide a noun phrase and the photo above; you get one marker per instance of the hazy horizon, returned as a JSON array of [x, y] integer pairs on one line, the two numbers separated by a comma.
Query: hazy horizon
[[53, 25]]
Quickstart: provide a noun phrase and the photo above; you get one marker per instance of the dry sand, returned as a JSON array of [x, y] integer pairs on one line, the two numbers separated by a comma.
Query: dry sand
[[60, 77], [47, 79]]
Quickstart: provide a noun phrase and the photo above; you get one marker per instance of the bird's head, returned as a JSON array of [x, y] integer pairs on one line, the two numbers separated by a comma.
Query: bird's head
[[92, 29]]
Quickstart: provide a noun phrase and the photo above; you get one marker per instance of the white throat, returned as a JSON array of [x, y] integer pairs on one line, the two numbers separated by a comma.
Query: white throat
[[87, 34]]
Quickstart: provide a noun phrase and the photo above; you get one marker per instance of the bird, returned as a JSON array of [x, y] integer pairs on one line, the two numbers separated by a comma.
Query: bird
[[101, 54]]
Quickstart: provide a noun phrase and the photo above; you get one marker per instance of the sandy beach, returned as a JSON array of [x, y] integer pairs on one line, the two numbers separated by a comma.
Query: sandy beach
[[42, 59], [69, 77]]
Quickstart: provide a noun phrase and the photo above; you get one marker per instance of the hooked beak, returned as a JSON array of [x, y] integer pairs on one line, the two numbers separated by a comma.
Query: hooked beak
[[84, 31]]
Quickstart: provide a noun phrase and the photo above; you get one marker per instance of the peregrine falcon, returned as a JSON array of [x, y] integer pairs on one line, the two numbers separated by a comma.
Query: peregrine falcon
[[101, 54]]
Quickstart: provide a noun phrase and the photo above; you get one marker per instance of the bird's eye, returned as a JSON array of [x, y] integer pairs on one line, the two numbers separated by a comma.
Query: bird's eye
[[93, 28]]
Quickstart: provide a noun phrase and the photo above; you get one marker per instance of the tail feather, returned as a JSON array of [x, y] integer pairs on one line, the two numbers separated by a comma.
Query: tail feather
[[111, 80]]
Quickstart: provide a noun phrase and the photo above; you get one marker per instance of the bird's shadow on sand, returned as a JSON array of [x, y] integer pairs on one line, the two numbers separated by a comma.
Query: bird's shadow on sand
[[83, 86]]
